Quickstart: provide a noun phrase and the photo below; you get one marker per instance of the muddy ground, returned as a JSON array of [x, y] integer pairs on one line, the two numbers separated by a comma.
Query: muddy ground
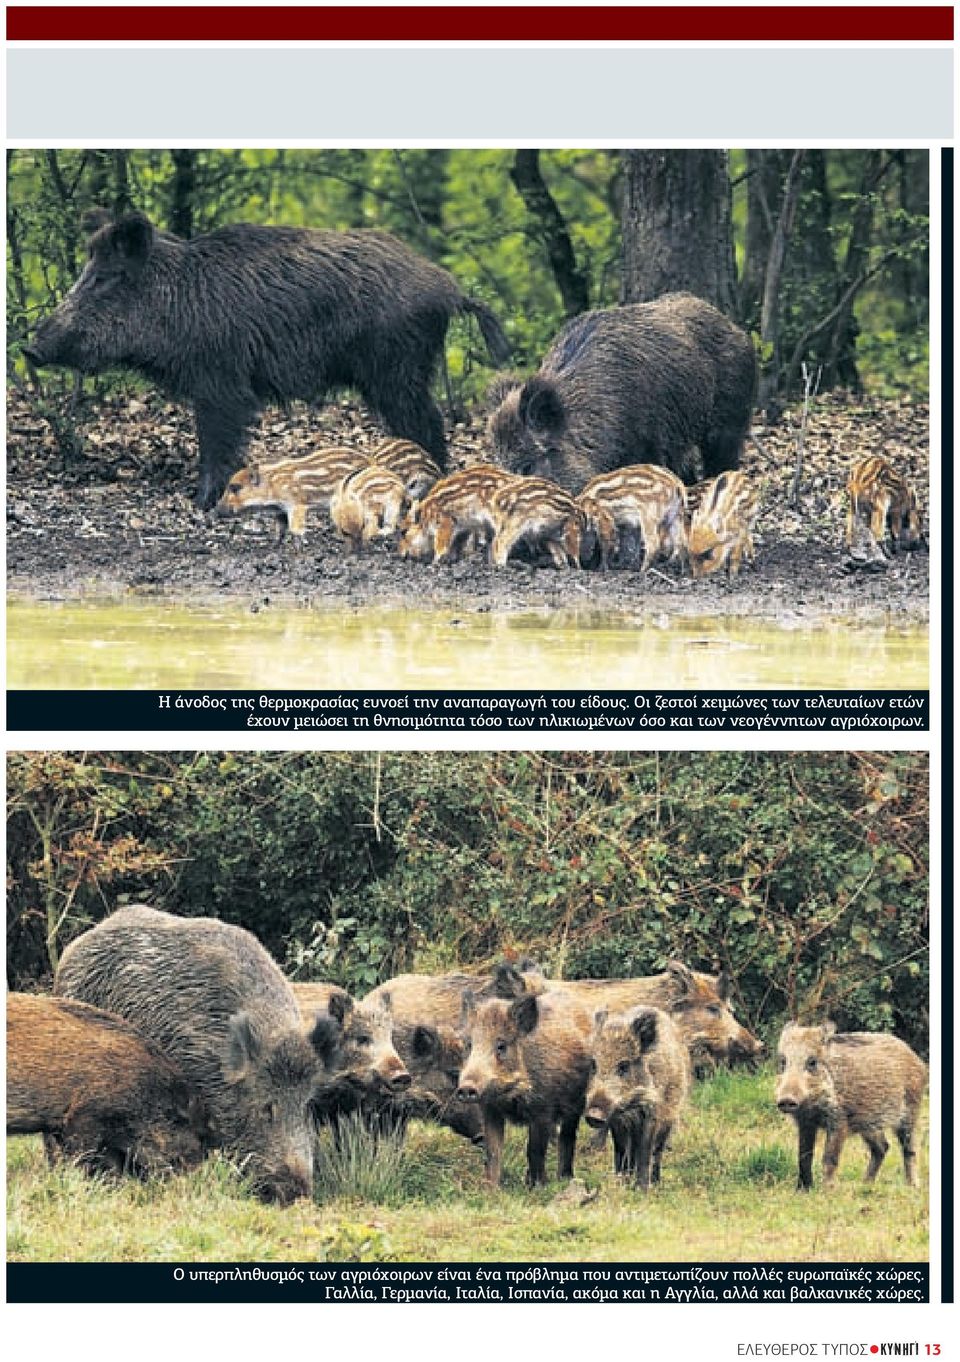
[[118, 520]]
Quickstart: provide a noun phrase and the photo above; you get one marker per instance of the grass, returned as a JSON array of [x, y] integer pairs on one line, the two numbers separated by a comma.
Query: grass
[[727, 1195]]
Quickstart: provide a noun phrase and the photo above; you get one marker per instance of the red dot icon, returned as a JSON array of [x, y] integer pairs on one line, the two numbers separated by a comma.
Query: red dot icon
[[874, 1348]]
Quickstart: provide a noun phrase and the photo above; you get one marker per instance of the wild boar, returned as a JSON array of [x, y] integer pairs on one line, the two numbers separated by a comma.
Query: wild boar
[[540, 515], [528, 1062], [248, 315], [698, 1005], [721, 528], [455, 513], [368, 505], [882, 504], [365, 1061], [434, 1055], [290, 487], [413, 466], [858, 1082], [87, 1079], [641, 500], [213, 1001], [639, 1081], [645, 383]]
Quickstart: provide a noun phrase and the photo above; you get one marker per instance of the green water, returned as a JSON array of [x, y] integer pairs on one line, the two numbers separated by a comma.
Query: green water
[[93, 645]]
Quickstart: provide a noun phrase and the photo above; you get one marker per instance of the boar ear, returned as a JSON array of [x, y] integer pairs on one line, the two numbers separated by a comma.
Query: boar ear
[[426, 1042], [681, 976], [468, 1007], [599, 1019], [501, 386], [724, 986], [243, 1047], [828, 1029], [526, 1013], [644, 1027], [386, 1002], [508, 982], [133, 237], [324, 1037], [340, 1005], [541, 406], [93, 219]]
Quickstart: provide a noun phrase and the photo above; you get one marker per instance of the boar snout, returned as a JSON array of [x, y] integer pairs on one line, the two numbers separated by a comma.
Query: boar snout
[[281, 1186], [395, 1078], [788, 1105], [598, 1110], [468, 1092]]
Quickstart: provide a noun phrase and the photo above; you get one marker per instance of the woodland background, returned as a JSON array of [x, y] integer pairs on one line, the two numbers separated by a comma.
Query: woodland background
[[804, 874], [821, 254]]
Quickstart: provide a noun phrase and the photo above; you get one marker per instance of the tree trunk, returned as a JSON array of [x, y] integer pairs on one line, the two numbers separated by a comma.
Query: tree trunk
[[551, 229], [839, 362], [676, 227], [769, 312], [183, 192], [765, 172]]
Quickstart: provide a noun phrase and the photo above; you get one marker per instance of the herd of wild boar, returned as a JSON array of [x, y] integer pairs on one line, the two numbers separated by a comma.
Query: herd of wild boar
[[169, 1036], [591, 459]]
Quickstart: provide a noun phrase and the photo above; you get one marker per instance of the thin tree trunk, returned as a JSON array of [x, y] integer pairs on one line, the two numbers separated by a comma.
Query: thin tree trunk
[[769, 312], [551, 229]]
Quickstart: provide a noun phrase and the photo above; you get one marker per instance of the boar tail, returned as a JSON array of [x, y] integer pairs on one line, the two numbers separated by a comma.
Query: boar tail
[[491, 330]]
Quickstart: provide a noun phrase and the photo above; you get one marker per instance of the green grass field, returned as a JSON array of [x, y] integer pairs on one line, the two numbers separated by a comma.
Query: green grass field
[[727, 1195]]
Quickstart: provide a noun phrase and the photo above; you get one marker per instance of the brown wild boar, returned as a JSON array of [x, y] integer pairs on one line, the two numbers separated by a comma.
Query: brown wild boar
[[646, 501], [882, 503], [290, 487], [540, 515], [454, 515], [528, 1062], [87, 1079], [434, 1056], [365, 1061], [698, 1005], [639, 1081], [858, 1082], [368, 505], [721, 528], [413, 466]]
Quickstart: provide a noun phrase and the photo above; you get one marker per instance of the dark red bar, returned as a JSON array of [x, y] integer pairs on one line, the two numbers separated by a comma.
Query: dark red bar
[[289, 23]]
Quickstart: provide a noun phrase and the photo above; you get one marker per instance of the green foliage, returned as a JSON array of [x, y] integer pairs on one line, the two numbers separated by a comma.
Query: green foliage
[[461, 208], [803, 874]]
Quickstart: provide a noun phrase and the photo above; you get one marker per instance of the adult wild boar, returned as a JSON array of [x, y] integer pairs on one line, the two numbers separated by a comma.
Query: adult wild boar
[[89, 1081], [246, 315], [698, 1005], [528, 1062], [212, 1000], [640, 1077], [858, 1082], [644, 383]]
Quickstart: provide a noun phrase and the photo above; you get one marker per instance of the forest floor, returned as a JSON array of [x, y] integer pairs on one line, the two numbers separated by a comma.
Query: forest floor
[[117, 521]]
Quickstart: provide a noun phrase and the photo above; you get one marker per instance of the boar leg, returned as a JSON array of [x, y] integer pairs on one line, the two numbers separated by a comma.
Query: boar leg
[[878, 1145], [222, 430], [836, 1138], [566, 1145], [806, 1138], [409, 412], [538, 1141], [502, 546], [659, 1145], [644, 1153], [909, 1149], [623, 1160], [296, 522], [493, 1124]]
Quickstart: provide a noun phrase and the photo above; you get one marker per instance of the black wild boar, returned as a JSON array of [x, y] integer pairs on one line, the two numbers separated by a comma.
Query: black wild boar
[[248, 315], [212, 1000], [640, 1077], [858, 1082], [645, 383], [89, 1081], [528, 1062]]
